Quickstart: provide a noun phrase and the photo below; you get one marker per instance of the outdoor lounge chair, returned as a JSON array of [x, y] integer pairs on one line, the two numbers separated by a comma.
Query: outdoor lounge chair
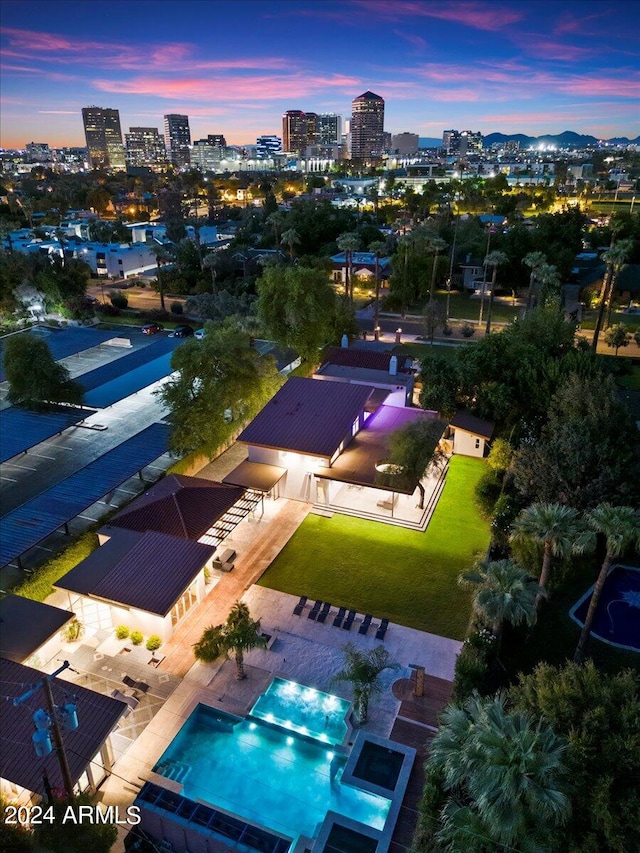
[[132, 701], [382, 630], [365, 624], [297, 610], [348, 622], [326, 607], [337, 622], [142, 686], [313, 613]]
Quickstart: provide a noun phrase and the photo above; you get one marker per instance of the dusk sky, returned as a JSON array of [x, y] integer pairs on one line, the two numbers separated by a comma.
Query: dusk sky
[[234, 66]]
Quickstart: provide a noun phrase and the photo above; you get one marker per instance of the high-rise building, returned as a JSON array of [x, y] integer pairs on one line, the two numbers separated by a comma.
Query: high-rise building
[[367, 127], [104, 138], [329, 129], [206, 154], [145, 147], [268, 146], [462, 142], [177, 139], [39, 152], [405, 144], [294, 132]]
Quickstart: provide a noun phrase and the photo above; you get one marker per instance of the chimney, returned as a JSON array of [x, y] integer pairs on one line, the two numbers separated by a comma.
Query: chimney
[[393, 365], [344, 343]]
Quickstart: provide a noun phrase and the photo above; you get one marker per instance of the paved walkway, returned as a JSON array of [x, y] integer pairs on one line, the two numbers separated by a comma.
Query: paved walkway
[[250, 565]]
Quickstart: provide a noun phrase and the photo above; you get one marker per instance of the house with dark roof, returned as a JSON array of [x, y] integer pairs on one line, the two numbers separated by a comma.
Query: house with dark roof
[[88, 747], [148, 581], [471, 435], [363, 266], [30, 630], [325, 442], [382, 370]]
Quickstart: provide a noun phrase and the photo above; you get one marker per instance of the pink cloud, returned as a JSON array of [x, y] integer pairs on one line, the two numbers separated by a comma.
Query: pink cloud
[[582, 25], [480, 16], [417, 41], [546, 49], [456, 95]]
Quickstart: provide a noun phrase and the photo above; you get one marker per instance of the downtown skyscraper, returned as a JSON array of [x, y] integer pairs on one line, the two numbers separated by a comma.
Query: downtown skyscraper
[[177, 139], [367, 127], [104, 138]]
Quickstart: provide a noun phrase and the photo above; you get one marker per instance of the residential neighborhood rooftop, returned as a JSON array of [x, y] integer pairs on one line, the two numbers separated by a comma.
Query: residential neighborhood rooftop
[[26, 624]]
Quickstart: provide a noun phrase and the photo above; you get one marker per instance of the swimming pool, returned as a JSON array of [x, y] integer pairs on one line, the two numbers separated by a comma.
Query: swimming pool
[[267, 775], [617, 618], [304, 710]]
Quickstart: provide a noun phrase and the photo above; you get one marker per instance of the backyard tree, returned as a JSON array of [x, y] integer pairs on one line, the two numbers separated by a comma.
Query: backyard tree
[[363, 670], [415, 449], [239, 634], [504, 592], [558, 529], [502, 777], [77, 835], [291, 238], [617, 336], [599, 715], [441, 381], [620, 527], [534, 260], [35, 379], [218, 378], [348, 243], [296, 306], [494, 260]]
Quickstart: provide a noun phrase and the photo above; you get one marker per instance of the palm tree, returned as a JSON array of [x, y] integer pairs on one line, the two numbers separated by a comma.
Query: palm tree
[[276, 221], [549, 279], [436, 245], [162, 254], [620, 526], [558, 529], [363, 670], [502, 773], [504, 593], [377, 247], [348, 243], [534, 260], [615, 258], [239, 634], [290, 237], [210, 262], [493, 259]]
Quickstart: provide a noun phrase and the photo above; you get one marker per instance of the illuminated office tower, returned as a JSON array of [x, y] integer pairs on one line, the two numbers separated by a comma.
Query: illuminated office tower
[[367, 127], [145, 147], [104, 138], [177, 139]]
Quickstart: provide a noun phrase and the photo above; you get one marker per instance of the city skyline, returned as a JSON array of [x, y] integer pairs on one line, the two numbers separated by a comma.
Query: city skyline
[[519, 67]]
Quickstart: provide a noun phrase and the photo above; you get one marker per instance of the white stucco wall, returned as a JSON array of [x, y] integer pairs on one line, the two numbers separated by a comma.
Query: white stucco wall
[[298, 483], [464, 443]]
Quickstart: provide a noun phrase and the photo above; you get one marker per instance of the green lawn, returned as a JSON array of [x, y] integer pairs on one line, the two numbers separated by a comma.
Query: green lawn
[[407, 576]]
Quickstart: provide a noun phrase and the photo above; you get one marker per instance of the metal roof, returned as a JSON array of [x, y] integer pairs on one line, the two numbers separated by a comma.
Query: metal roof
[[30, 523], [308, 416], [97, 715], [369, 359], [20, 430], [150, 573], [178, 505], [255, 475], [470, 423], [26, 624]]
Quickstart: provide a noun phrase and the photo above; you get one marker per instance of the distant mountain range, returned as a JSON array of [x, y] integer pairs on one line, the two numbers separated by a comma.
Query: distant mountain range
[[567, 139]]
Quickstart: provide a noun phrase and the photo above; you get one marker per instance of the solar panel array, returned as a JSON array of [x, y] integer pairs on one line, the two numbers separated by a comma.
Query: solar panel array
[[115, 369], [33, 521], [130, 383], [20, 430], [66, 342]]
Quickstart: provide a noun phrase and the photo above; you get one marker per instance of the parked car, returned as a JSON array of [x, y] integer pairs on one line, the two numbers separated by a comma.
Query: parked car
[[152, 328], [183, 332], [199, 335]]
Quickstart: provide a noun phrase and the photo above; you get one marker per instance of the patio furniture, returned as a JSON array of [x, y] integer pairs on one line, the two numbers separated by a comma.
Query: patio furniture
[[337, 622], [131, 701], [382, 630], [326, 607], [365, 624], [156, 660], [297, 610], [313, 613], [224, 560], [142, 686], [348, 622]]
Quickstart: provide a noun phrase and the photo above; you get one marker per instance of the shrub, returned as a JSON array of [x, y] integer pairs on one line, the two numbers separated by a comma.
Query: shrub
[[118, 300], [136, 638], [106, 310], [471, 672], [72, 631], [122, 632], [177, 308], [39, 585], [154, 642], [447, 331], [467, 330], [488, 490]]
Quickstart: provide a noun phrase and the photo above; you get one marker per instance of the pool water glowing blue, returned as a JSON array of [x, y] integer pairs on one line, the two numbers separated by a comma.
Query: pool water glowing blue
[[304, 710], [617, 619], [266, 775]]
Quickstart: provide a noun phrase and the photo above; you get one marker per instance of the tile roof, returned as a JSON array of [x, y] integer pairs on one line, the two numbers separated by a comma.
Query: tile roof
[[97, 716], [178, 505], [26, 624], [308, 416], [150, 575], [470, 423], [369, 359]]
